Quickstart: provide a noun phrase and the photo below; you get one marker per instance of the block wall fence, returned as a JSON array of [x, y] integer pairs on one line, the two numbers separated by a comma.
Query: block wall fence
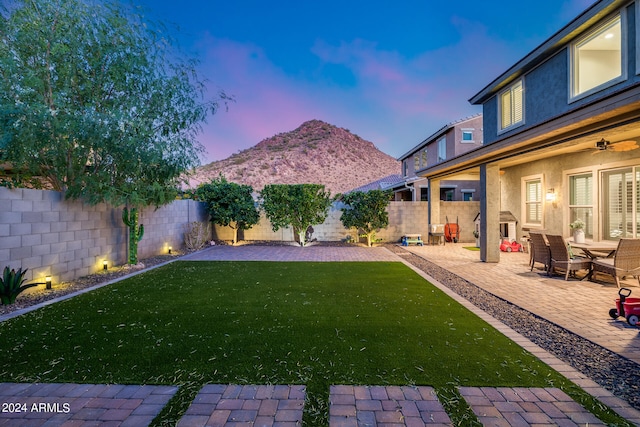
[[49, 235], [41, 231]]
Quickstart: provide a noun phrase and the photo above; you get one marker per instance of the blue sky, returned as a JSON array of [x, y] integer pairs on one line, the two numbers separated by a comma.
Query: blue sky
[[390, 72]]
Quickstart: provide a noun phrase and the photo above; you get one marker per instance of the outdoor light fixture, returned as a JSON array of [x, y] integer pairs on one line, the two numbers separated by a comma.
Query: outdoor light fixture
[[47, 282], [104, 264], [169, 250], [602, 144], [551, 195]]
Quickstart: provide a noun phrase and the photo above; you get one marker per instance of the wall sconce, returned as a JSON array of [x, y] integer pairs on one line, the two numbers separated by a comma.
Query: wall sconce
[[551, 195], [105, 264], [47, 282], [169, 250]]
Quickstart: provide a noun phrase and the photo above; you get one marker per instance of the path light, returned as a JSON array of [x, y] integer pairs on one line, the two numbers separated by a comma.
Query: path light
[[169, 250], [47, 282], [104, 264]]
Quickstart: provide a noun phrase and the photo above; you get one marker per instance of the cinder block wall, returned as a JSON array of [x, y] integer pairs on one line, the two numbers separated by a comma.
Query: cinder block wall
[[404, 217], [41, 231]]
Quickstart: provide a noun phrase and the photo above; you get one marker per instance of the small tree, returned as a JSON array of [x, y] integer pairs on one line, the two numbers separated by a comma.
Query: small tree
[[297, 205], [229, 204], [366, 211]]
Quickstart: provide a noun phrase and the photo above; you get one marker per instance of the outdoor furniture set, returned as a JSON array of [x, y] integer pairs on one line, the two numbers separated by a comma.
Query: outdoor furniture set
[[615, 259]]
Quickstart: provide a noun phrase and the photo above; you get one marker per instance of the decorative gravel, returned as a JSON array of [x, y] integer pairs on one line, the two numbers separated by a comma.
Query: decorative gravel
[[611, 371]]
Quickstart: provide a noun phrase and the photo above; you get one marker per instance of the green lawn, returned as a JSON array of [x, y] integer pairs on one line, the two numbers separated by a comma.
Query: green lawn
[[190, 323]]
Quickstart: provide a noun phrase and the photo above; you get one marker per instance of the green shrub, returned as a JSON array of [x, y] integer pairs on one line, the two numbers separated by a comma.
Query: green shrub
[[11, 285]]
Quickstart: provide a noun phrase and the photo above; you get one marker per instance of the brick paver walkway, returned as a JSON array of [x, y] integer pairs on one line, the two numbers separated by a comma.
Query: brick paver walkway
[[362, 406], [80, 405], [248, 405], [517, 407]]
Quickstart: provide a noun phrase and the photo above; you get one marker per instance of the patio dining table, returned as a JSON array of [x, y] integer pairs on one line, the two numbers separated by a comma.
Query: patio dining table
[[596, 249]]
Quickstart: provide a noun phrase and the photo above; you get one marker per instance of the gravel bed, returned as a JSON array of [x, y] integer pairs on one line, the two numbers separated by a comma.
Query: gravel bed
[[611, 371]]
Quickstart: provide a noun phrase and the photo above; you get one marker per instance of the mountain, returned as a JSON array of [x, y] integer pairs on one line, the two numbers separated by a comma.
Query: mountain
[[314, 153]]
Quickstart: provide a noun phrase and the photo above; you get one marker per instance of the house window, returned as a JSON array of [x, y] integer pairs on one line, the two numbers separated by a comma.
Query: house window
[[405, 168], [621, 202], [442, 149], [424, 194], [511, 110], [467, 136], [416, 162], [532, 200], [581, 201], [424, 158], [597, 59], [467, 195]]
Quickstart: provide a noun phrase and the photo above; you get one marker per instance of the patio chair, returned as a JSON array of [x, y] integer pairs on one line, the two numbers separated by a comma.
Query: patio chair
[[539, 251], [561, 258], [626, 261]]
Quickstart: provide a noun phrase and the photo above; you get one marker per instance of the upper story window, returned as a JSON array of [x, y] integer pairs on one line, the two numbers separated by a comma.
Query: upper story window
[[424, 158], [442, 149], [597, 59], [405, 168], [511, 106], [467, 135], [416, 162]]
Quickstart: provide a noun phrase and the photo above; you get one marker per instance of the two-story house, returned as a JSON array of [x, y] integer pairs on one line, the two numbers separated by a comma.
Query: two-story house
[[561, 132], [446, 143]]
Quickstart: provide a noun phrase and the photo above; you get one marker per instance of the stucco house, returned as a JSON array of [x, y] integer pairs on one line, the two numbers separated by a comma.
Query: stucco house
[[561, 130], [447, 142]]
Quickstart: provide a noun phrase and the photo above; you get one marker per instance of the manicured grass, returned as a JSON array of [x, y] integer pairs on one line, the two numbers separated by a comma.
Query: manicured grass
[[318, 324]]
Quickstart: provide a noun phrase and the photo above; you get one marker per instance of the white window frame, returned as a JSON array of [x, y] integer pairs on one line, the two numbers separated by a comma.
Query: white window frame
[[423, 158], [442, 147], [525, 203], [512, 90], [416, 162], [466, 141], [574, 95], [593, 226]]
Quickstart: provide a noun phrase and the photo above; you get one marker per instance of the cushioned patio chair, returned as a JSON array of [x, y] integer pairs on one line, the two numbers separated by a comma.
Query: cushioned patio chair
[[539, 250], [626, 261], [561, 258]]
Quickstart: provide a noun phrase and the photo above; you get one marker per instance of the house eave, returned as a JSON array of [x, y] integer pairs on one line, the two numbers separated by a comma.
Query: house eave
[[577, 126]]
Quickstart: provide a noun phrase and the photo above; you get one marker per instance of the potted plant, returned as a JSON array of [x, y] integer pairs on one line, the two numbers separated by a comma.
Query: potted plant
[[577, 227]]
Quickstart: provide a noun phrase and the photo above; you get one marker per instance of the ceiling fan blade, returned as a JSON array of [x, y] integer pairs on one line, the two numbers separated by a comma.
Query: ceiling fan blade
[[624, 146]]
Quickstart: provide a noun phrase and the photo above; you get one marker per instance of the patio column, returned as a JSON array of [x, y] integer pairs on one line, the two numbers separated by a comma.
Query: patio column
[[490, 213], [434, 201]]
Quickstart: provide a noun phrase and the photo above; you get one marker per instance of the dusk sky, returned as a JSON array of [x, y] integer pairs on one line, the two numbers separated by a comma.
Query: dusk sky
[[390, 72]]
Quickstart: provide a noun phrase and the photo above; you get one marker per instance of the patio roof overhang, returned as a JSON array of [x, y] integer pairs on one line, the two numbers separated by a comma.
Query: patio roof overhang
[[615, 118]]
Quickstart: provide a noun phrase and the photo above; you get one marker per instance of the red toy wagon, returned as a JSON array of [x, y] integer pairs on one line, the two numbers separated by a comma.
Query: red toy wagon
[[626, 307]]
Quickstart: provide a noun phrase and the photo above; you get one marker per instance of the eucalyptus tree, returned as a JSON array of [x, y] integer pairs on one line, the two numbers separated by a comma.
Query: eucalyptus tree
[[98, 102]]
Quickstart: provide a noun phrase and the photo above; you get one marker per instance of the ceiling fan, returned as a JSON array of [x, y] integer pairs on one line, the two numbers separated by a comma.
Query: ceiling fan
[[604, 145]]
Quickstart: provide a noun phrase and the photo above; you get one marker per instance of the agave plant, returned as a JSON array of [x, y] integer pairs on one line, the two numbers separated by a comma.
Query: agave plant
[[11, 284]]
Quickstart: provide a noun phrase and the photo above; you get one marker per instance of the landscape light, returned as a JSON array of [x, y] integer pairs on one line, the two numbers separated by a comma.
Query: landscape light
[[47, 282], [169, 250], [104, 264]]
